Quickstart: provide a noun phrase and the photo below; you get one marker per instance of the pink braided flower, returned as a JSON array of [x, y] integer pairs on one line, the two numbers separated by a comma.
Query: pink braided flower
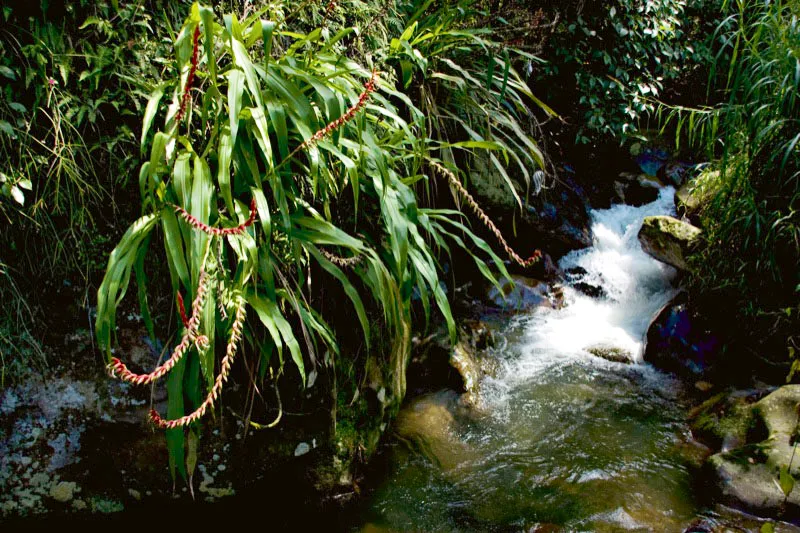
[[187, 95], [222, 377], [369, 88], [535, 257], [205, 228], [117, 368]]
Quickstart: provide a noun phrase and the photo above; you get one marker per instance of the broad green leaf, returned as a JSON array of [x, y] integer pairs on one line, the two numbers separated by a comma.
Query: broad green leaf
[[235, 92], [115, 281], [224, 154], [263, 213], [786, 480], [175, 409], [174, 245], [150, 112]]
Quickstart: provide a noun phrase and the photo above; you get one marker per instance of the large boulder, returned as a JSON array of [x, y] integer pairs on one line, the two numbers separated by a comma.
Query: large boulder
[[553, 217], [749, 477], [680, 340], [668, 239]]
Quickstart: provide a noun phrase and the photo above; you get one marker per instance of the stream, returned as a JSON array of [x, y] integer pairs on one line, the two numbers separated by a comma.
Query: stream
[[562, 439]]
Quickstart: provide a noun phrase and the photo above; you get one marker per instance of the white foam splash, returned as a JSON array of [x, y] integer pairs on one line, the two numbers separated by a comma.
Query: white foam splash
[[636, 285]]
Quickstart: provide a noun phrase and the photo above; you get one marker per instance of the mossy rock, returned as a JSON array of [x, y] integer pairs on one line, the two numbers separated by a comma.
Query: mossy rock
[[611, 353], [668, 239], [748, 477], [724, 420]]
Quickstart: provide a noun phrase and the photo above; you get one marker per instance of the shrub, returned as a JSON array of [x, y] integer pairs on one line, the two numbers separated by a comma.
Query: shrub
[[613, 59], [285, 161]]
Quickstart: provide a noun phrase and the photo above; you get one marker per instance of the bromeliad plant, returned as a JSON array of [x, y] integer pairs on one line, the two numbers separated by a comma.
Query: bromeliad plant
[[271, 146]]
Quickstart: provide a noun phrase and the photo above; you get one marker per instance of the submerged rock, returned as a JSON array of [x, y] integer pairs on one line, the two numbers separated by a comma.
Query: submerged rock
[[668, 239], [749, 477], [611, 353], [520, 293], [428, 425]]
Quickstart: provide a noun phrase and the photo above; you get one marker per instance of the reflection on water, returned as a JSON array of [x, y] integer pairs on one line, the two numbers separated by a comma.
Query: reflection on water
[[565, 440]]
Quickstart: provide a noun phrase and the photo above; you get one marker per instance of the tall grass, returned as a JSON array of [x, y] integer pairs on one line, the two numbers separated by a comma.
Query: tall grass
[[752, 222]]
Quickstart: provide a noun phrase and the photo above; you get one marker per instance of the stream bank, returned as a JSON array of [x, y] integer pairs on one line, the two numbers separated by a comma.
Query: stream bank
[[569, 428]]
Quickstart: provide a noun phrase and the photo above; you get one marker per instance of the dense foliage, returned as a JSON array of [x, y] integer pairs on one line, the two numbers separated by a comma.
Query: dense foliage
[[752, 221], [607, 62], [74, 79], [289, 160]]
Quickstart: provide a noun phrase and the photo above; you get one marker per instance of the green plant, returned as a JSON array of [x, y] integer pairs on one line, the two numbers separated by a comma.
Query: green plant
[[284, 163], [75, 74], [74, 79], [619, 56], [752, 221]]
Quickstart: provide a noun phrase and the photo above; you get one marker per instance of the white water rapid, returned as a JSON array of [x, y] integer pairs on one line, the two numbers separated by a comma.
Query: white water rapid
[[562, 437], [636, 286]]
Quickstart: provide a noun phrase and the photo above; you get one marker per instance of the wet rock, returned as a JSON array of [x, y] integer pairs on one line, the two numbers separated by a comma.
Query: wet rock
[[668, 239], [690, 198], [701, 525], [592, 291], [680, 341], [724, 420], [651, 159], [521, 293], [696, 193], [748, 476], [611, 353], [636, 190], [465, 363], [477, 334], [429, 426], [576, 272], [673, 173], [436, 364]]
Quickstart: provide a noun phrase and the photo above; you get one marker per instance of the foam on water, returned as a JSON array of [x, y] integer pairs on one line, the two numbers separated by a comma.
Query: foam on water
[[636, 287]]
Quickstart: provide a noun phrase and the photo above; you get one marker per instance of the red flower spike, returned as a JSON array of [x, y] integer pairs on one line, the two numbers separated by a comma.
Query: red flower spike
[[182, 310], [187, 95], [535, 257], [205, 228], [369, 88], [118, 368], [222, 377]]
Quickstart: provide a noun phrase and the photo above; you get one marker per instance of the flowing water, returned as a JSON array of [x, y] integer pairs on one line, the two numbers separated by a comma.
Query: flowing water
[[563, 440]]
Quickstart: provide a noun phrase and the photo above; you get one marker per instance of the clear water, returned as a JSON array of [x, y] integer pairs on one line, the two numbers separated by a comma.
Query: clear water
[[562, 440]]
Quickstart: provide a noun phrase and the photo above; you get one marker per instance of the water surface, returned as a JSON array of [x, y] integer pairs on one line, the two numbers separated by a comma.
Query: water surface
[[563, 439]]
